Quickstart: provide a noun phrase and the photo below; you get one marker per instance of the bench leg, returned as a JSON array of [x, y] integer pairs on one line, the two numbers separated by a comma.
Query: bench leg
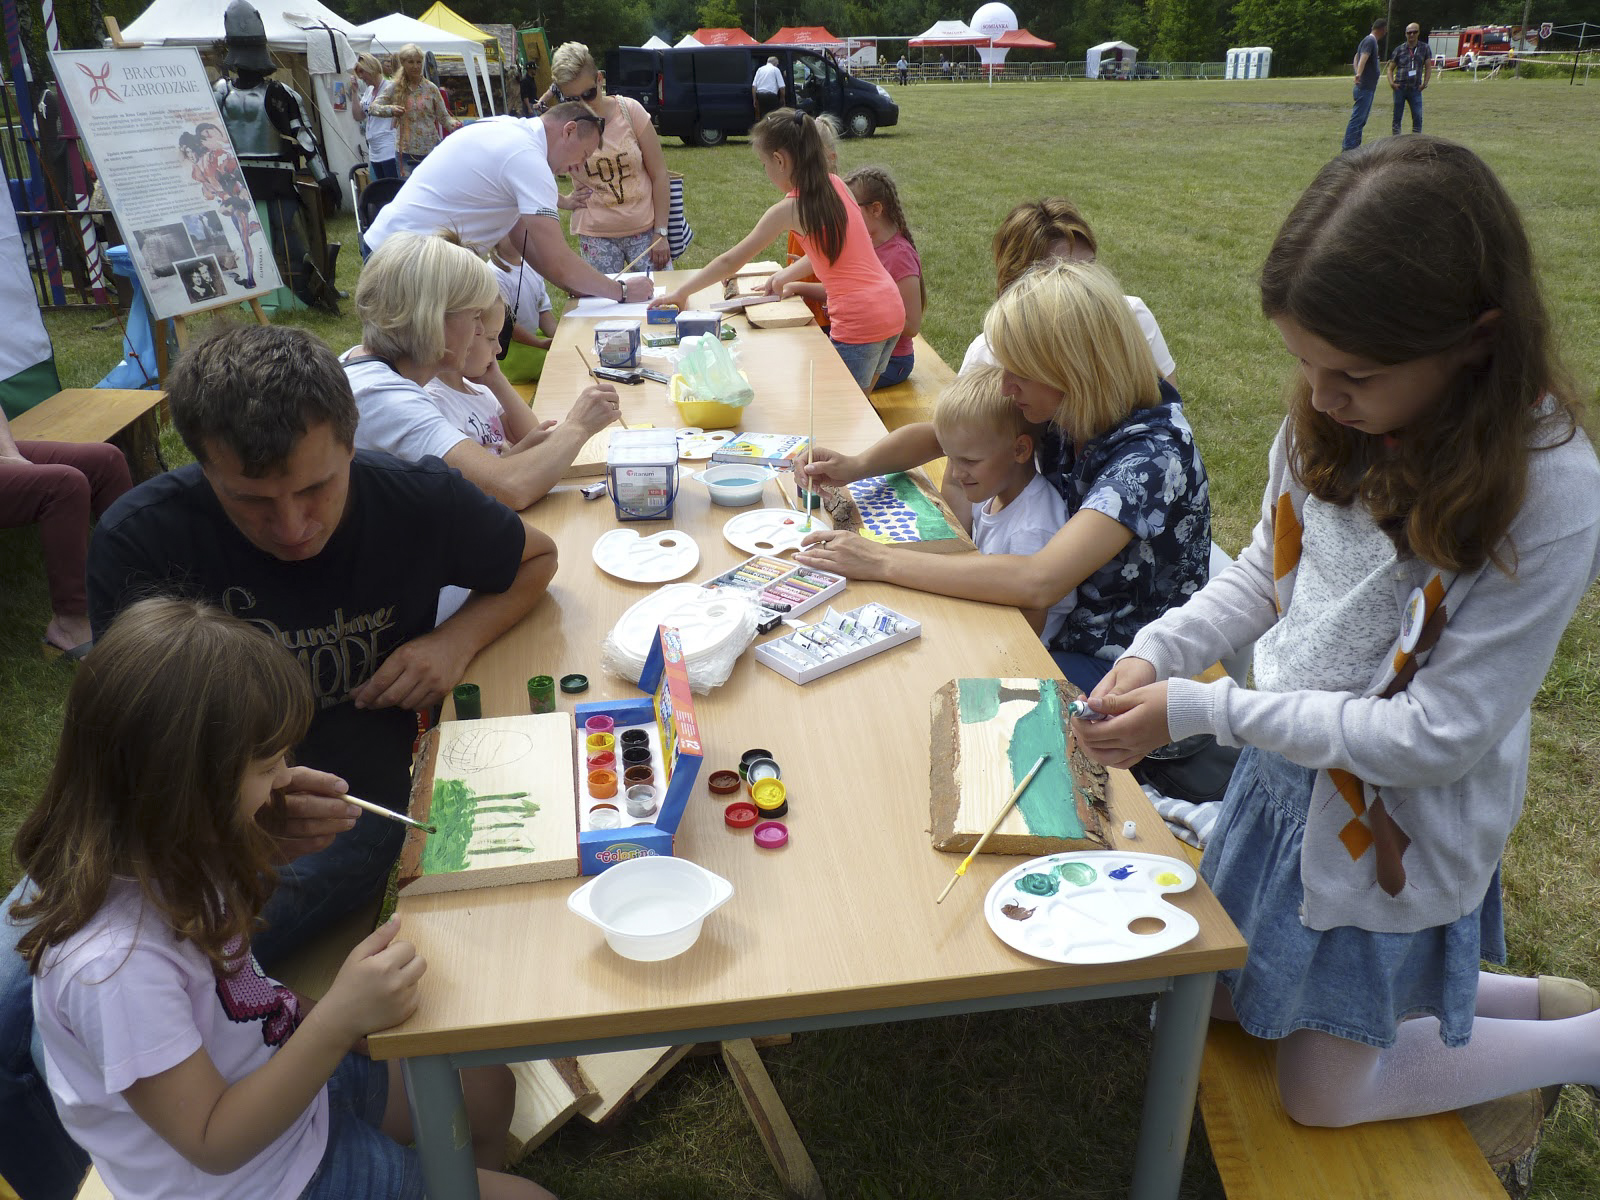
[[1183, 1013]]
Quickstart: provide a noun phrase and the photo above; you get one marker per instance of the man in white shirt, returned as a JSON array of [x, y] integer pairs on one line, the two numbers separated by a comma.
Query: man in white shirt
[[767, 89], [493, 183]]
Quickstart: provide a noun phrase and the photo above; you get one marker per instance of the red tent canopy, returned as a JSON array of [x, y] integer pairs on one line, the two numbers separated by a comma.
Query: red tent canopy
[[804, 35], [724, 37], [1021, 39]]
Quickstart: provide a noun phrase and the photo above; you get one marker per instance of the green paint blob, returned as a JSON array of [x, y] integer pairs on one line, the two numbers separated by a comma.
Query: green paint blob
[[1036, 884], [455, 807], [978, 701], [931, 524], [1047, 806], [1081, 874]]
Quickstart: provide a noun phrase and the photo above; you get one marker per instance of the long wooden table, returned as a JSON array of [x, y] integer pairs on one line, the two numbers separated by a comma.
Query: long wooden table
[[840, 927]]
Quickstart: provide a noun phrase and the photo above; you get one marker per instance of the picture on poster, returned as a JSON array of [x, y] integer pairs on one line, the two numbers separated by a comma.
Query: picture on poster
[[161, 149]]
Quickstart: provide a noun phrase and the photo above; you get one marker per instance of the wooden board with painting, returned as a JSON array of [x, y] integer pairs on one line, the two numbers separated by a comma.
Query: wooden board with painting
[[898, 510]]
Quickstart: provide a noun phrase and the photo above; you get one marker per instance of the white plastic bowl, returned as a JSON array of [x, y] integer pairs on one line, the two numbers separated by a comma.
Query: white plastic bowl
[[734, 484], [651, 908]]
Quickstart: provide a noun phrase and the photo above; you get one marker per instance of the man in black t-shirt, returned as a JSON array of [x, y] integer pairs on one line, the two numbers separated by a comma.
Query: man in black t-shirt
[[1366, 73], [338, 556], [528, 92]]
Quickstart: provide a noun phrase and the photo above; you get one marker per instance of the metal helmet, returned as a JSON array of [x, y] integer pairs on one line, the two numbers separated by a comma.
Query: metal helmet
[[247, 39]]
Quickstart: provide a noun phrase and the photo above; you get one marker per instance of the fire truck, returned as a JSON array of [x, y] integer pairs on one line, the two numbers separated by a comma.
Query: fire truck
[[1473, 46]]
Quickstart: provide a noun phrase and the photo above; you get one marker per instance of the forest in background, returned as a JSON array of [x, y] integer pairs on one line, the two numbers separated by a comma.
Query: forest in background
[[1308, 37]]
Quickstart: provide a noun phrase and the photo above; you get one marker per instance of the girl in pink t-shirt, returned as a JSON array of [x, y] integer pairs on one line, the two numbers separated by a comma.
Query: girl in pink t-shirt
[[173, 1060], [879, 199], [868, 315]]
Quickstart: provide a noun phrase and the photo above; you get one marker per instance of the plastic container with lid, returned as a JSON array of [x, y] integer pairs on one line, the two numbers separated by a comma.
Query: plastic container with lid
[[642, 473]]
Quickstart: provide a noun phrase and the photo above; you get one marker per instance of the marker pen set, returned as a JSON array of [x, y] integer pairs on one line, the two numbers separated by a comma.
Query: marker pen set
[[782, 588], [836, 641]]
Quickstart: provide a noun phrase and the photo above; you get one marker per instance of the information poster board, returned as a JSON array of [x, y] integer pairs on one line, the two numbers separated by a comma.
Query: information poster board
[[160, 147]]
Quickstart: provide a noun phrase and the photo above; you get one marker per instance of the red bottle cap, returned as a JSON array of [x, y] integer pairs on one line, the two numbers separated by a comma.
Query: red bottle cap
[[740, 815]]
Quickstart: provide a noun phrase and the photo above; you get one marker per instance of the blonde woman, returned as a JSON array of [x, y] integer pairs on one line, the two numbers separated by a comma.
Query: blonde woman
[[1114, 444], [372, 88], [418, 109], [621, 193], [427, 306]]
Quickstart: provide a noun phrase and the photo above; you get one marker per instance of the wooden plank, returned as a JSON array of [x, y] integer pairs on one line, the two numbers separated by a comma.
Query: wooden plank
[[797, 1175], [785, 314], [1263, 1155], [622, 1078], [81, 415], [767, 1042], [93, 1187], [504, 797], [972, 770], [900, 509], [548, 1094]]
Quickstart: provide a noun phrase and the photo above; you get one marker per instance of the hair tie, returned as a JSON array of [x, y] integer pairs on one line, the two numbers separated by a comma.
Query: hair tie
[[799, 117]]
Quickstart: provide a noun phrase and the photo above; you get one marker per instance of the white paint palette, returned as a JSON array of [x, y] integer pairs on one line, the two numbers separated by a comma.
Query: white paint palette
[[771, 530], [1092, 906], [698, 445], [670, 554]]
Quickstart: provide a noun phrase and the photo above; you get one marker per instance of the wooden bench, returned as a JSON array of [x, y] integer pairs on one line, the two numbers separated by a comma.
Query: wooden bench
[[126, 417], [912, 401]]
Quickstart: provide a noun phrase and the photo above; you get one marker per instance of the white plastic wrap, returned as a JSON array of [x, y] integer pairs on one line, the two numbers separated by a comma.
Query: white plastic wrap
[[715, 627]]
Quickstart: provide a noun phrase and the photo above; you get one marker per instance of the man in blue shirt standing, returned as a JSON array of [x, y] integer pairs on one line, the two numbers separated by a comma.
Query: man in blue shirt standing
[[1409, 72], [1366, 67]]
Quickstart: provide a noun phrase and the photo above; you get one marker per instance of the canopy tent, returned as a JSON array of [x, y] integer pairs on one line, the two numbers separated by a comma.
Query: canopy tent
[[1120, 53], [446, 18], [686, 42], [294, 27], [1021, 39], [949, 33], [27, 363], [656, 43], [812, 36], [396, 30], [723, 37]]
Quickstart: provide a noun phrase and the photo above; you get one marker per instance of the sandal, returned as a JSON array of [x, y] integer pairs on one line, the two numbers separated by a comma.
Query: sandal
[[1560, 998], [76, 654]]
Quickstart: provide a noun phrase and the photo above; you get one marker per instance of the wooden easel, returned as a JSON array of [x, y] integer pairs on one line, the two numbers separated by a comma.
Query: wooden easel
[[180, 329]]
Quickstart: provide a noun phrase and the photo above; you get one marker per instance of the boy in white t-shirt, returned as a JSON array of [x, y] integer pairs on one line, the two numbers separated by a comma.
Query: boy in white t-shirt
[[990, 449]]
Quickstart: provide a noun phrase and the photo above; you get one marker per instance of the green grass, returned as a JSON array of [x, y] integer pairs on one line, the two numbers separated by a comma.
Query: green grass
[[1185, 184]]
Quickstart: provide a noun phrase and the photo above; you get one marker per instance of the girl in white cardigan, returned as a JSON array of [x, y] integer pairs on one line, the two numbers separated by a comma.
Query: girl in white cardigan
[[1431, 521]]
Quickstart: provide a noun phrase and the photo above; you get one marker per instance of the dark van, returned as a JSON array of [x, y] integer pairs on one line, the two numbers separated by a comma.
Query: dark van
[[703, 95]]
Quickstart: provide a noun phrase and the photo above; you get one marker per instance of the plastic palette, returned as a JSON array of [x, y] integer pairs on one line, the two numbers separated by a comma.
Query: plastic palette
[[771, 530], [658, 558], [698, 445], [1080, 907]]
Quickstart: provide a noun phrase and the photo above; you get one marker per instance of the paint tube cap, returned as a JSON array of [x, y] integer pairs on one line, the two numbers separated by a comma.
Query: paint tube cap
[[740, 815], [772, 835], [723, 783], [572, 684], [769, 795]]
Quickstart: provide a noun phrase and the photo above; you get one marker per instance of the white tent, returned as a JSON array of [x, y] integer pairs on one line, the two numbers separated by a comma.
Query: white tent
[[656, 43], [396, 30], [306, 27], [686, 42], [950, 33], [1119, 53]]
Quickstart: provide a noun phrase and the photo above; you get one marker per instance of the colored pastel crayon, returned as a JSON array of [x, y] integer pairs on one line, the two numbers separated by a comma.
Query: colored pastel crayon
[[784, 592]]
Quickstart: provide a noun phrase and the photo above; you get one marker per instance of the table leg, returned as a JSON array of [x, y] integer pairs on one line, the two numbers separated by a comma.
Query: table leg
[[439, 1123], [1183, 1013]]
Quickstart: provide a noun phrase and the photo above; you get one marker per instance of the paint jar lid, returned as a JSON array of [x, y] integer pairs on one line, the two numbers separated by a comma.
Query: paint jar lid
[[769, 794], [748, 757], [772, 835], [740, 815], [574, 683], [762, 768], [723, 783], [604, 816], [599, 723]]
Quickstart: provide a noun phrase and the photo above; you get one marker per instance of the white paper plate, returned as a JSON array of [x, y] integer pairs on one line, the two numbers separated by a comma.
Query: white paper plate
[[669, 554], [772, 530], [698, 446], [706, 621], [1078, 907]]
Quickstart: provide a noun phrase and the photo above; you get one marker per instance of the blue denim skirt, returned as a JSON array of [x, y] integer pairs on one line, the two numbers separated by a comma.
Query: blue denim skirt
[[1347, 981], [361, 1161]]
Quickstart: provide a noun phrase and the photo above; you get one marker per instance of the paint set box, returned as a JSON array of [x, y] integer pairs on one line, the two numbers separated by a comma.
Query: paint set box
[[671, 742], [838, 640], [782, 588]]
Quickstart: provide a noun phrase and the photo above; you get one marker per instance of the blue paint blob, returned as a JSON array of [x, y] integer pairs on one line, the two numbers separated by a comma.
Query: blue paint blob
[[1123, 872], [1036, 884]]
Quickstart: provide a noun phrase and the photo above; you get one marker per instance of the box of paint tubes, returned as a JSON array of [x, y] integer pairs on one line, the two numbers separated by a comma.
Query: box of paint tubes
[[837, 640], [640, 760], [782, 588]]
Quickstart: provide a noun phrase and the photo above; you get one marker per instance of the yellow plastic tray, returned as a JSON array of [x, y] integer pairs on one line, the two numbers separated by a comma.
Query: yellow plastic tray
[[707, 414]]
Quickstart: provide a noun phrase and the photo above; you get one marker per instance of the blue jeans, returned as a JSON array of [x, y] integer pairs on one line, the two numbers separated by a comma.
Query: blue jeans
[[866, 360], [37, 1158], [389, 168], [1361, 105], [1413, 97], [898, 370]]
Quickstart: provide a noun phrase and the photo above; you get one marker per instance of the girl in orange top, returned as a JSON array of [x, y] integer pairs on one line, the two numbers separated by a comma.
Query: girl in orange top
[[863, 301]]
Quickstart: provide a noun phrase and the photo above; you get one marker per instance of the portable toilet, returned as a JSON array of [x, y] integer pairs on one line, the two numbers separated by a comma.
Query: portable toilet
[[1230, 68], [1260, 62]]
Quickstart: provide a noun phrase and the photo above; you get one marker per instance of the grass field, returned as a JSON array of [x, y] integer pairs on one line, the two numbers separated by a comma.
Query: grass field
[[1185, 184]]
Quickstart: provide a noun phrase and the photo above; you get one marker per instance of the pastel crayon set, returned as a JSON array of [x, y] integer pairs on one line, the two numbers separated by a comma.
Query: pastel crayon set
[[839, 639], [783, 588]]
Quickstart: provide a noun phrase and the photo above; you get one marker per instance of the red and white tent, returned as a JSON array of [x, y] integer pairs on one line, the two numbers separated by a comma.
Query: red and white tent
[[1021, 39], [724, 37], [811, 36]]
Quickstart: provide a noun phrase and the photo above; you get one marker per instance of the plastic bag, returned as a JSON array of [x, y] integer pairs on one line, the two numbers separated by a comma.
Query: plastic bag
[[708, 368], [715, 626]]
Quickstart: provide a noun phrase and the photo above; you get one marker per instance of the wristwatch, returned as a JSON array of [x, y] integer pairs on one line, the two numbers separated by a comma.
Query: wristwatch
[[622, 291], [661, 231]]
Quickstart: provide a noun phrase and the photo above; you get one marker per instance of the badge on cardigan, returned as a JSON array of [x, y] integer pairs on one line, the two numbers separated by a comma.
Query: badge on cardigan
[[1412, 620]]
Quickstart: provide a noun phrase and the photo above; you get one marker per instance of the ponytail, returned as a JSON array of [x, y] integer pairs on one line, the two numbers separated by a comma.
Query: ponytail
[[821, 213]]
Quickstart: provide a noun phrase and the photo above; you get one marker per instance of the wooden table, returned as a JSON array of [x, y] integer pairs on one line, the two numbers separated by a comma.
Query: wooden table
[[839, 928]]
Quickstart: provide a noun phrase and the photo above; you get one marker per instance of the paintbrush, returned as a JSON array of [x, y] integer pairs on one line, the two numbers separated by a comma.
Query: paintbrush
[[782, 492], [811, 437], [621, 420], [370, 807], [1001, 816], [640, 255]]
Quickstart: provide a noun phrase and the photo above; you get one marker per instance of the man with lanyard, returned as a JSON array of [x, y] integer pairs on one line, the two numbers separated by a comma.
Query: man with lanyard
[[1409, 72], [1366, 70], [766, 90]]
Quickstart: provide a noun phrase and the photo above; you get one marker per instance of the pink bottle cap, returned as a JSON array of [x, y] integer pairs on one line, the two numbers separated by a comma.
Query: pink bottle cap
[[772, 835]]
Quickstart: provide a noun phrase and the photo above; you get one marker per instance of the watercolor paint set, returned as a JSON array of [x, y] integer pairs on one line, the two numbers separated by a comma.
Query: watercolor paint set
[[783, 588], [639, 762], [839, 639]]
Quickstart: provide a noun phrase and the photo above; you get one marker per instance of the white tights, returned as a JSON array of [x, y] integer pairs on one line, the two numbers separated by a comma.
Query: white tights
[[1327, 1080]]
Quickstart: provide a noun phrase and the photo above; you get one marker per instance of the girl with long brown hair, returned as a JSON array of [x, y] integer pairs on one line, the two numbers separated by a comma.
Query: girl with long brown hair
[[1431, 521], [180, 1067], [863, 301]]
